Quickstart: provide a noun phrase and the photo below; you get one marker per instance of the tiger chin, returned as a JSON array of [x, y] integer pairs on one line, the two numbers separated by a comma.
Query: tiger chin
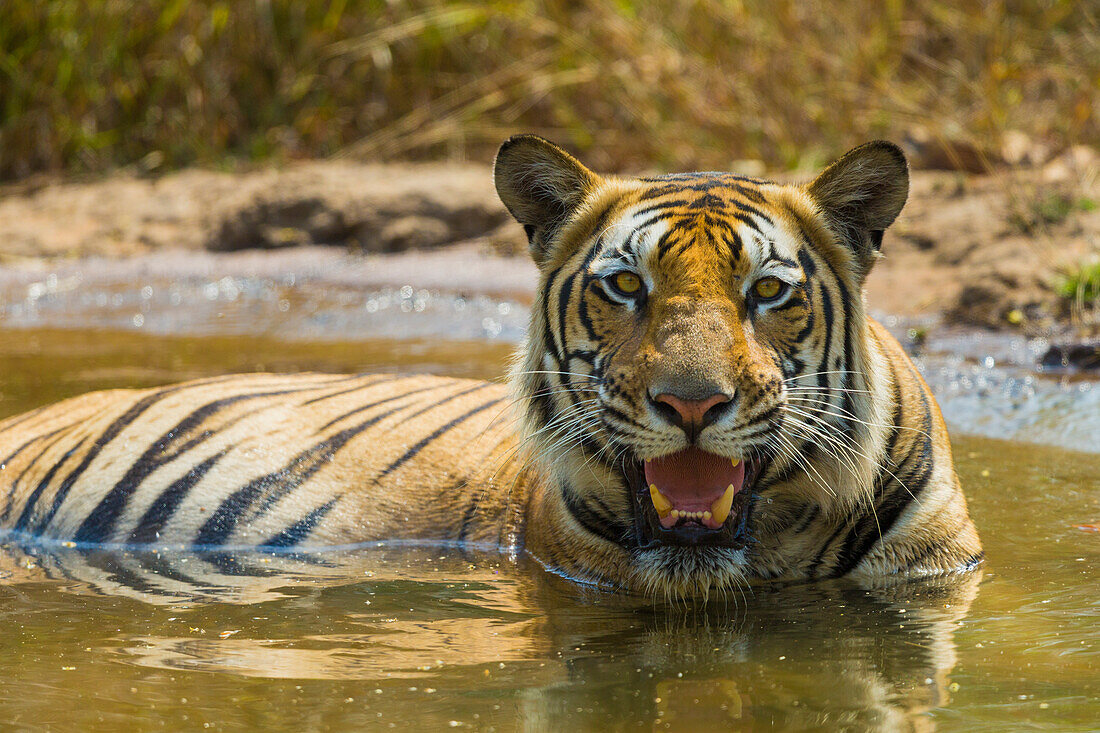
[[701, 403]]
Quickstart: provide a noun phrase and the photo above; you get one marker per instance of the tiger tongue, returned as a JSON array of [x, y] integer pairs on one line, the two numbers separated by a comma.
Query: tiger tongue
[[693, 481]]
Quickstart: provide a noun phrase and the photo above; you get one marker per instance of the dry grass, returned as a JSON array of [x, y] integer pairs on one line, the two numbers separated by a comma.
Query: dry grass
[[86, 86]]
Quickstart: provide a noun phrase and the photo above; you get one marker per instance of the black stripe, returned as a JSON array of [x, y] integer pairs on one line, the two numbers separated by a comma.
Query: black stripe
[[100, 523], [764, 417], [808, 518], [820, 556], [746, 220], [558, 349], [423, 442], [610, 411], [795, 301], [267, 490], [32, 500], [381, 379], [582, 308], [895, 428], [973, 561], [662, 207], [845, 304], [228, 564], [809, 267], [469, 514], [605, 527], [112, 564], [752, 210], [301, 529], [104, 439], [165, 505], [157, 565], [904, 489], [565, 294], [653, 220], [369, 405], [14, 484], [829, 316], [736, 248], [751, 194], [871, 529], [273, 486]]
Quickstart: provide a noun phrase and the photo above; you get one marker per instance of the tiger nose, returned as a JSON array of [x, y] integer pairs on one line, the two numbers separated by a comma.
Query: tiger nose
[[691, 415]]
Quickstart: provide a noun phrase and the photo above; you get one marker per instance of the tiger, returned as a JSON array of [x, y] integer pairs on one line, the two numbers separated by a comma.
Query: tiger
[[701, 403]]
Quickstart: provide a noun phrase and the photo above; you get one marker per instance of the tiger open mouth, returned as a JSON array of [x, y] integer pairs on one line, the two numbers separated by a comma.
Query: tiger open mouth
[[692, 498]]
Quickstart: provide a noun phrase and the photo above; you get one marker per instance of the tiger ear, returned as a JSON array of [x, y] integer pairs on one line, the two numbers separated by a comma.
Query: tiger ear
[[541, 185], [861, 194]]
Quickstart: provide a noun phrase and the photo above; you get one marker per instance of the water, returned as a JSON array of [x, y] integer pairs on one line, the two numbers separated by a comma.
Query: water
[[431, 638]]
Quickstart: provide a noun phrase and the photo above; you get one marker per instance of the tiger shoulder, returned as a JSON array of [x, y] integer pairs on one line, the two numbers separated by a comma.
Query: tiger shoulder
[[701, 402]]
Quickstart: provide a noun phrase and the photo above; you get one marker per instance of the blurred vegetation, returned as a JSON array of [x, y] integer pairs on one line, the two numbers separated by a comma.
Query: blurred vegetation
[[1081, 282], [1036, 208], [1079, 287], [86, 86]]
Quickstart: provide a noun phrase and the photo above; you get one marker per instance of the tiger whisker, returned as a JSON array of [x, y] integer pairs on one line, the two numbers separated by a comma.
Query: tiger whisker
[[846, 415], [860, 453]]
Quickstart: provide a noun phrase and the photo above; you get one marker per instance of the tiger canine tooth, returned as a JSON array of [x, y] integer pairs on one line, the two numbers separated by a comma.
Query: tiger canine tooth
[[660, 503], [734, 461], [720, 509]]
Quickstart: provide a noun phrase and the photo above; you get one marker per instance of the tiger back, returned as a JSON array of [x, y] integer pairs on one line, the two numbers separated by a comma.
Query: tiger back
[[264, 460]]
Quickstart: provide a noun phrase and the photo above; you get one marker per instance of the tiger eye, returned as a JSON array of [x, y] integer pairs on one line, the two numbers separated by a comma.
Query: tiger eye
[[628, 282], [768, 287]]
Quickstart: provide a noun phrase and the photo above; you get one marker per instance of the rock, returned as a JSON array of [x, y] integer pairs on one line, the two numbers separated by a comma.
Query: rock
[[1079, 163], [367, 208], [1019, 149], [410, 232], [1083, 355], [279, 223], [977, 305]]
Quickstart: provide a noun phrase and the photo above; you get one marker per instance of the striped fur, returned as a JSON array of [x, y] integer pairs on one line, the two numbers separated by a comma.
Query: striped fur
[[859, 478], [265, 460]]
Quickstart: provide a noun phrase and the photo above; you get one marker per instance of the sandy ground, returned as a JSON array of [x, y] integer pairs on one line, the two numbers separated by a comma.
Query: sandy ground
[[976, 250]]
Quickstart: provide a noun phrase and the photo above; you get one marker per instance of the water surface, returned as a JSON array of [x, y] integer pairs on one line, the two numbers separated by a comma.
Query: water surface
[[420, 637]]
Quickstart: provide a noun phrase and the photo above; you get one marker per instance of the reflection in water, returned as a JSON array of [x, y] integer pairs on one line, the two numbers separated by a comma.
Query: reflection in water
[[475, 628]]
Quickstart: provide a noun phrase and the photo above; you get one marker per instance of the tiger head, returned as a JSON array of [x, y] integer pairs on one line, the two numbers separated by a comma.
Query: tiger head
[[689, 335]]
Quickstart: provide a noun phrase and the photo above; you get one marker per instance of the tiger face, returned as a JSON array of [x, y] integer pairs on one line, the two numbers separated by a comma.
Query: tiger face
[[695, 327], [695, 340]]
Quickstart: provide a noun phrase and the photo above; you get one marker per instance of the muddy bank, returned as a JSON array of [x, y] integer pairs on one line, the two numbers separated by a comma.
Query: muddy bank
[[363, 208], [981, 250]]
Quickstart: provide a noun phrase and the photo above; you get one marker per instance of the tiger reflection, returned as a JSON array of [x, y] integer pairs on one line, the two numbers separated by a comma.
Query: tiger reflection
[[884, 653]]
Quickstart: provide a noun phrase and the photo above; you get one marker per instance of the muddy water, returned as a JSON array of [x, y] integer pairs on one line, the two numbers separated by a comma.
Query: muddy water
[[429, 638]]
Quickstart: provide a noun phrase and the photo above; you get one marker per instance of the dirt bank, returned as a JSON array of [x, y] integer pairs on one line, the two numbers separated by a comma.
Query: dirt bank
[[977, 250]]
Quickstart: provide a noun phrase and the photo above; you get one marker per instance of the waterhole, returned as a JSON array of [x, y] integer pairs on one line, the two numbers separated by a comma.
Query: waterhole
[[430, 638]]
